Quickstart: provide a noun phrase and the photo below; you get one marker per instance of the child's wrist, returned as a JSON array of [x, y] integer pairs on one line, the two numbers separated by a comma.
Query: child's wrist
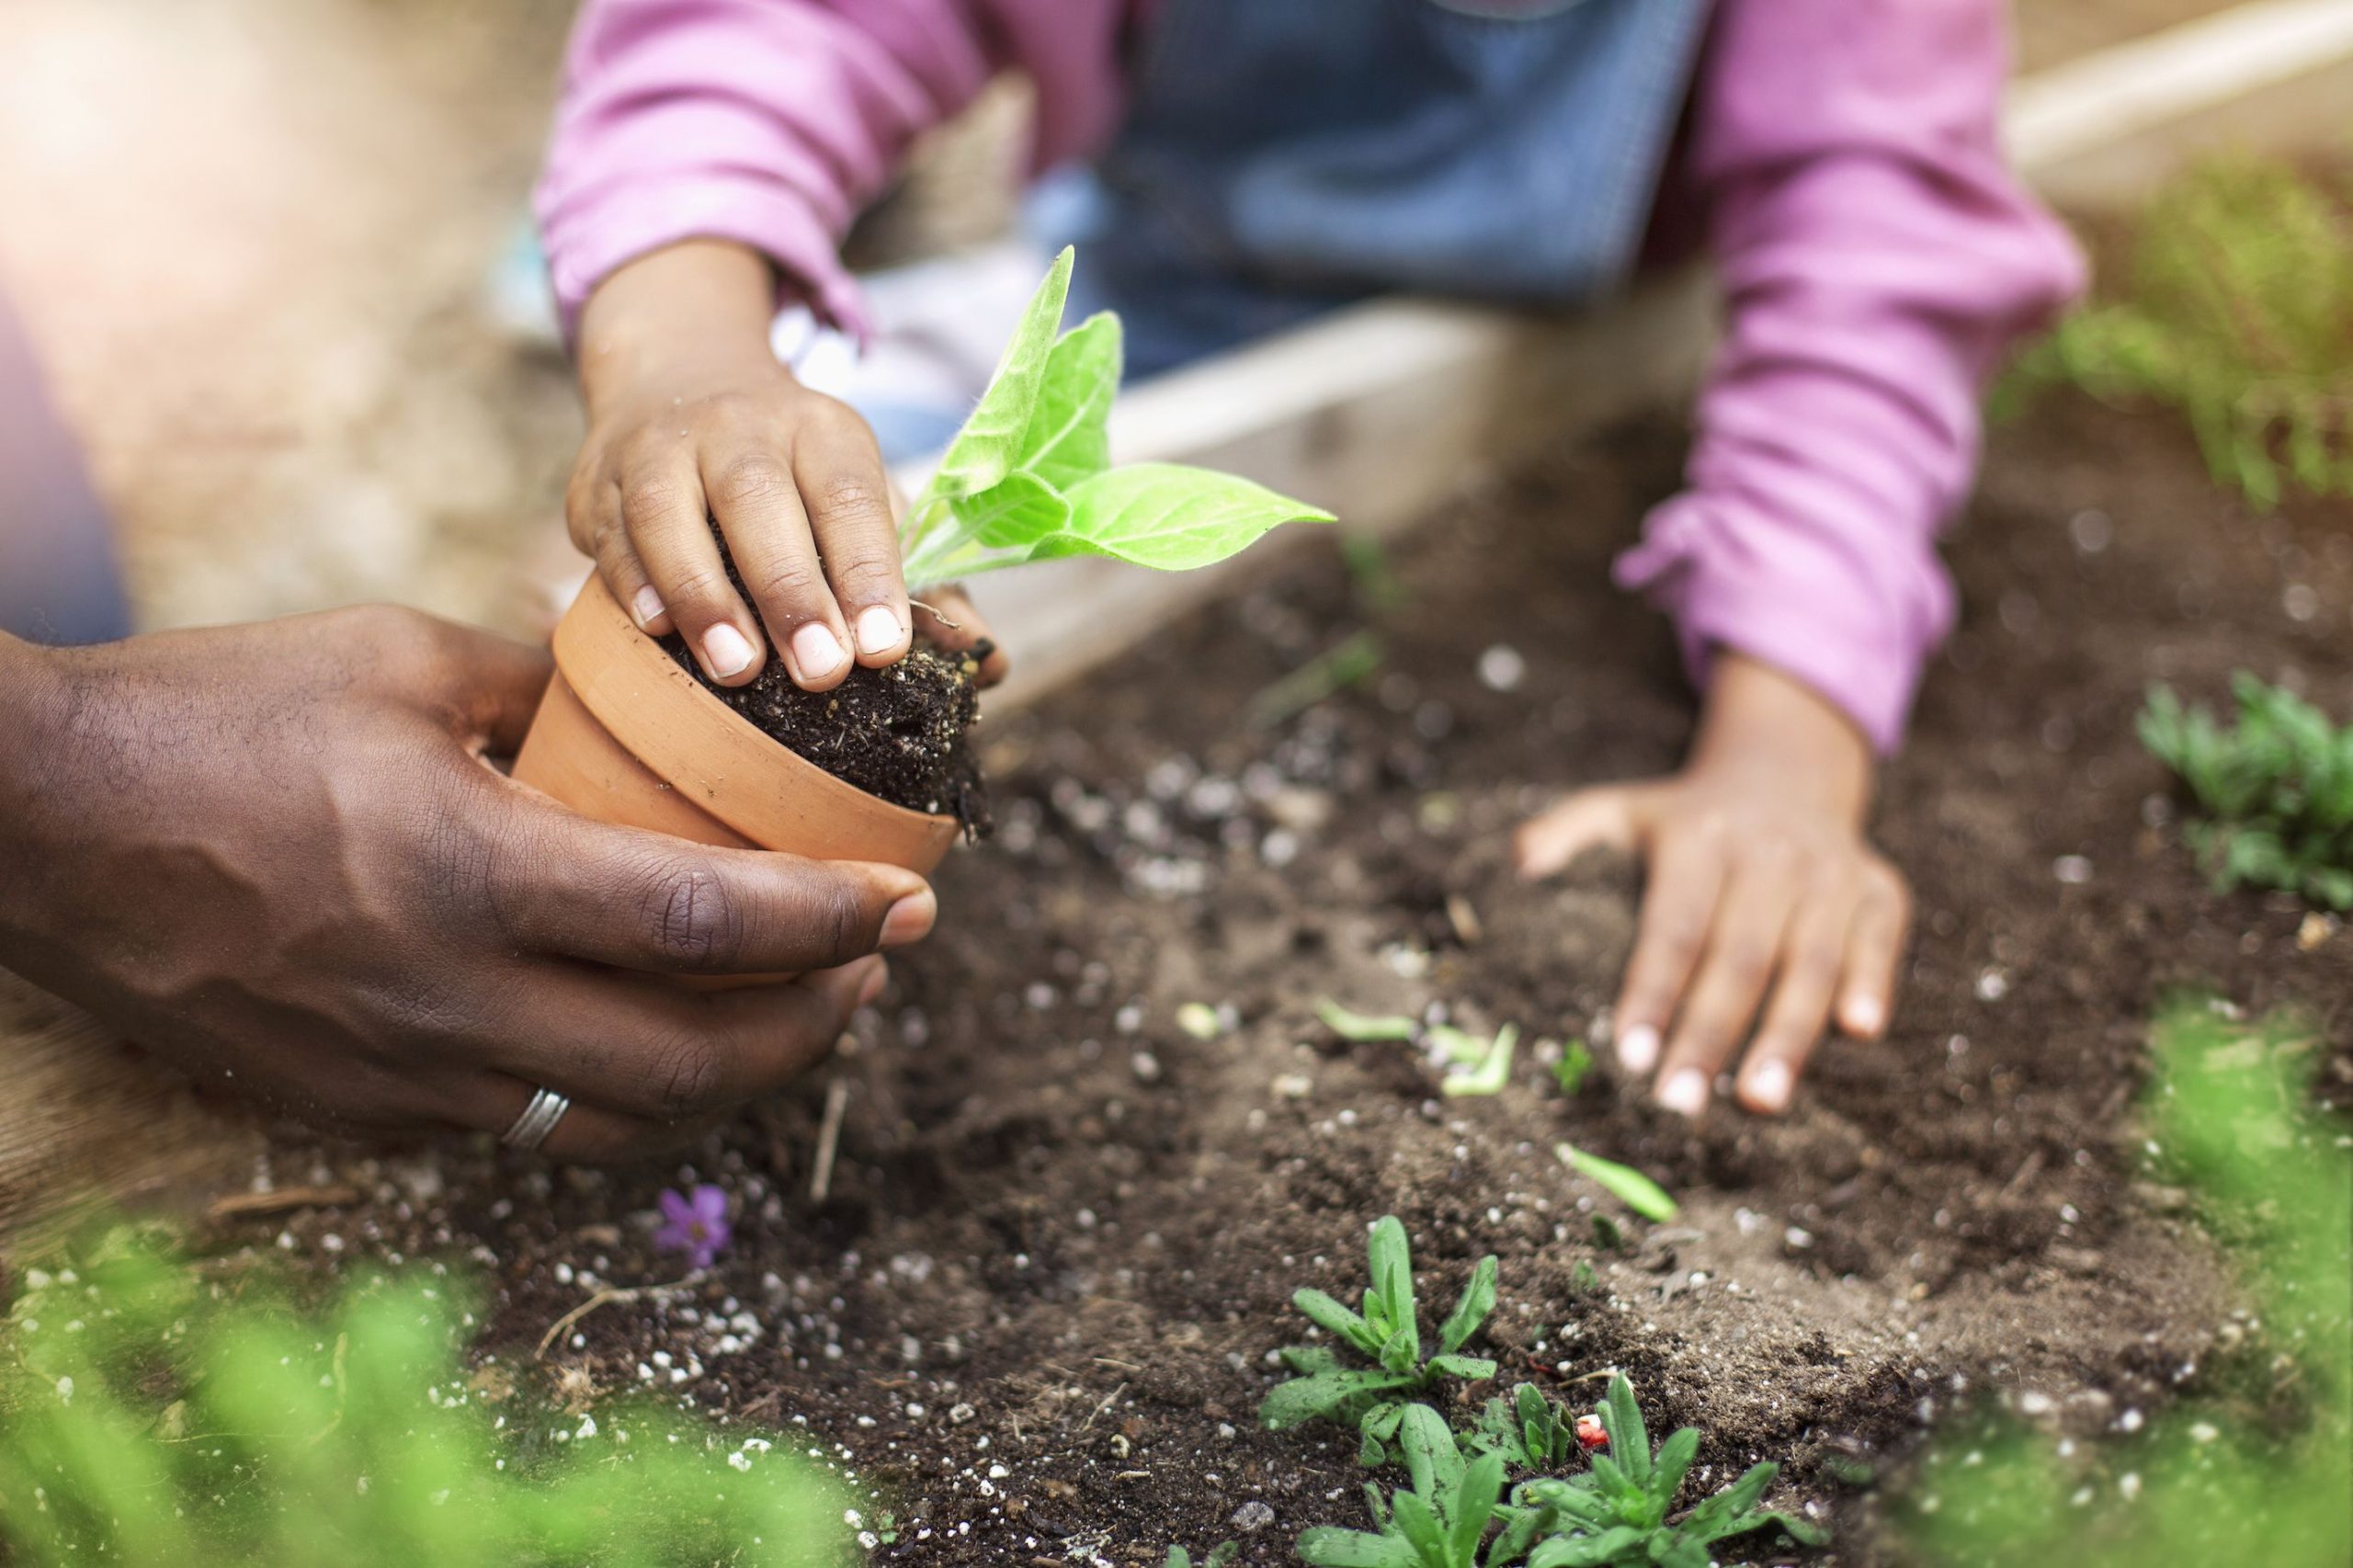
[[1762, 720], [690, 314]]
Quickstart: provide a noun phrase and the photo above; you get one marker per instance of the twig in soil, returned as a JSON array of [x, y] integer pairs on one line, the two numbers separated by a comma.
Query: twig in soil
[[604, 1297], [829, 1140], [279, 1201], [933, 611], [1109, 1400], [1334, 670], [2024, 1174]]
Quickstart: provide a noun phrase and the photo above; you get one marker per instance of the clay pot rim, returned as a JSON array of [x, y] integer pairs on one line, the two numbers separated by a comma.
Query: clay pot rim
[[597, 633]]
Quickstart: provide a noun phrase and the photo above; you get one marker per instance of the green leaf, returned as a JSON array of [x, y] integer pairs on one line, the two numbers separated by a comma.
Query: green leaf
[[1675, 1457], [1333, 1317], [1432, 1460], [1067, 440], [1631, 1187], [1327, 1547], [1461, 1047], [1576, 1064], [1391, 1259], [1474, 1505], [1303, 1400], [1359, 1028], [1169, 518], [1015, 511], [1478, 1301], [1630, 1444], [1585, 1551], [1492, 1072], [990, 445], [1417, 1522]]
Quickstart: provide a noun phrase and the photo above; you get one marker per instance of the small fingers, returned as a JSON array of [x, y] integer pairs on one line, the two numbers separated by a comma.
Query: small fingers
[[664, 513], [592, 509], [1800, 1005], [1687, 876], [1743, 948], [757, 500], [1586, 820], [847, 493], [1875, 943]]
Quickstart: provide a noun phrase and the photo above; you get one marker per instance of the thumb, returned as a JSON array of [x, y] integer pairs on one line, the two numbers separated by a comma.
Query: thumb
[[493, 685], [1608, 816]]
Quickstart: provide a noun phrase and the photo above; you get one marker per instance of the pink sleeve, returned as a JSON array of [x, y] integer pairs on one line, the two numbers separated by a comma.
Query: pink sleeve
[[770, 122], [1877, 259]]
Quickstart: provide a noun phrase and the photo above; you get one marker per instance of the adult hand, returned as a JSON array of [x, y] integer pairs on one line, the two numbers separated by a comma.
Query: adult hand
[[273, 854], [1760, 881]]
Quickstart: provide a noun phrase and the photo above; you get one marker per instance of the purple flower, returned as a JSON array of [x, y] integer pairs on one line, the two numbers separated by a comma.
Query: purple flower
[[698, 1224]]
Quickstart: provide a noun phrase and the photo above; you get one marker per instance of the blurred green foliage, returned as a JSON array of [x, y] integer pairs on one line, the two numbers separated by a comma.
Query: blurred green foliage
[[2276, 789], [151, 1412], [2261, 1469], [2237, 309]]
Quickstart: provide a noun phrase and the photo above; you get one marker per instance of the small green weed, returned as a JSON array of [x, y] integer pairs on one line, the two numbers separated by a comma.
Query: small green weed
[[1526, 1431], [1441, 1521], [2276, 788], [149, 1414], [1218, 1558], [1629, 1186], [1572, 1068], [1389, 1335]]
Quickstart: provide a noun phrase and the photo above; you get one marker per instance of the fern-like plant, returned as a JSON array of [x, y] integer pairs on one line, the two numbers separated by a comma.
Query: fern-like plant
[[2276, 789], [2238, 311]]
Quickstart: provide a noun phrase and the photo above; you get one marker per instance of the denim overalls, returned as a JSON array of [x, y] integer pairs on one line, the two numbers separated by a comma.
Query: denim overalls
[[1284, 157]]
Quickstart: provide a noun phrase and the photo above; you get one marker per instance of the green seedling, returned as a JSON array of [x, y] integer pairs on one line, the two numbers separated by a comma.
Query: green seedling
[[1029, 476], [1576, 1064], [151, 1414], [1629, 1186], [1331, 672], [1526, 1431], [1490, 1067], [1218, 1558], [1440, 1522], [1614, 1515], [2276, 789], [1388, 1334], [1361, 1029]]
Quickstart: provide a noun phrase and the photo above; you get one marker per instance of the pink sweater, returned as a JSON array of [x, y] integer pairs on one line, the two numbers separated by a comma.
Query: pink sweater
[[1877, 257]]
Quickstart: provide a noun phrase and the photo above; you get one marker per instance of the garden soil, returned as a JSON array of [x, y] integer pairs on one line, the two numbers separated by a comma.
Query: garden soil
[[1035, 1306]]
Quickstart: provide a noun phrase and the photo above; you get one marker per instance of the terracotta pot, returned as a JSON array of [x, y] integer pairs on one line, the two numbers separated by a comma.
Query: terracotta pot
[[626, 737]]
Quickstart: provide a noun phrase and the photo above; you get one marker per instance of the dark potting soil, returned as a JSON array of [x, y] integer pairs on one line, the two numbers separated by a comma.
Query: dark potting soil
[[1034, 1310], [898, 732]]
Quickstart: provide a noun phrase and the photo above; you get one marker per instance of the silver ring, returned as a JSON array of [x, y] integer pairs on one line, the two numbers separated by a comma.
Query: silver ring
[[538, 1120]]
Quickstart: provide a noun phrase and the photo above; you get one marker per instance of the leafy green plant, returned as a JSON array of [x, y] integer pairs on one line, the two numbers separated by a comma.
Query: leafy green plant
[[1525, 1431], [1489, 1070], [1388, 1334], [1359, 1028], [1614, 1516], [1030, 475], [2253, 1468], [151, 1414], [1629, 1186], [2238, 311], [1440, 1522], [1573, 1067], [2276, 788]]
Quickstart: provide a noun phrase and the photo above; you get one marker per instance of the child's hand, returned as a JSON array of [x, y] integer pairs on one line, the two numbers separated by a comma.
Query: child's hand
[[691, 417], [1759, 877]]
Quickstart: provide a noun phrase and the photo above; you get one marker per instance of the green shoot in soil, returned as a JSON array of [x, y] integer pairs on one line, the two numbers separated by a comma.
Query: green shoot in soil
[[2254, 1471], [1440, 1522], [1614, 1515], [1388, 1334], [1528, 1431], [1359, 1028], [1331, 672], [2238, 313], [1575, 1063], [1029, 476], [1218, 1558], [2276, 788], [150, 1414], [1631, 1187], [1489, 1070]]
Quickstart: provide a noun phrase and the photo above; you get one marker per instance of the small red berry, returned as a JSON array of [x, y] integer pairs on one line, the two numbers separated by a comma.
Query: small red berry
[[1591, 1433]]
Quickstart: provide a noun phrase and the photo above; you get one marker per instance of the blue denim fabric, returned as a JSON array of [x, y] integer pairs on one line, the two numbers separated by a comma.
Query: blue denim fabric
[[58, 579], [1282, 157]]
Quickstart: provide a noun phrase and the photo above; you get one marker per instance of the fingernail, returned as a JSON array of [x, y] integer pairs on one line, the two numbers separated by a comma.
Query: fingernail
[[876, 979], [910, 919], [1769, 1086], [1863, 1015], [878, 629], [817, 650], [647, 607], [726, 651], [1638, 1048], [1685, 1094]]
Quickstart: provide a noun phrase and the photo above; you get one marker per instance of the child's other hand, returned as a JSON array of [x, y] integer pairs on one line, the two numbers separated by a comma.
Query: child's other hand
[[691, 417], [1759, 880]]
